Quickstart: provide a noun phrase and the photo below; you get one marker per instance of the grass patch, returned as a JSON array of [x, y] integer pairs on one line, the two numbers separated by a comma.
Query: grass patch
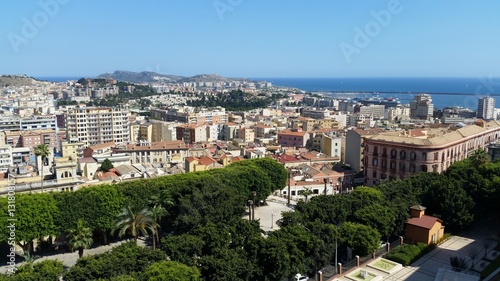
[[494, 265], [385, 265]]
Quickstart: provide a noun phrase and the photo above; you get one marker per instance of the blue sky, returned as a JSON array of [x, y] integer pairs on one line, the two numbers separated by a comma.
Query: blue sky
[[252, 38]]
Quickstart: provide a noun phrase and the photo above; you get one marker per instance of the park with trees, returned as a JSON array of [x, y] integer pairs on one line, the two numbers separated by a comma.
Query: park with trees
[[196, 226]]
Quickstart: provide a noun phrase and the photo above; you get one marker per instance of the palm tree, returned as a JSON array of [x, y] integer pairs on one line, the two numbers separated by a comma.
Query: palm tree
[[134, 222], [29, 258], [306, 192], [479, 157], [157, 212], [80, 237], [43, 152]]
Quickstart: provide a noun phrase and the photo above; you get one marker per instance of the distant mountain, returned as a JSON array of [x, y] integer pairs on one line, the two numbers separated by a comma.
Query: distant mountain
[[147, 77], [17, 80], [140, 77]]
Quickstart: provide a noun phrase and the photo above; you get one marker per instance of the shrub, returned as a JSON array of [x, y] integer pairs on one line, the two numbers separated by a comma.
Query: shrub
[[406, 254]]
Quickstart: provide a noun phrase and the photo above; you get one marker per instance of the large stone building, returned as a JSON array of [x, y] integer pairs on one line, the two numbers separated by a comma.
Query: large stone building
[[400, 154], [421, 107], [156, 152], [96, 125], [353, 147]]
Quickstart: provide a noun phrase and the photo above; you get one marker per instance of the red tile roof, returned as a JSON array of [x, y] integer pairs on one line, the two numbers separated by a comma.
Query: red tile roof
[[426, 222]]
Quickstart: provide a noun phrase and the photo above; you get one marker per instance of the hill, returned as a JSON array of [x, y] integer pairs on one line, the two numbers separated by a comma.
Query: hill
[[148, 77], [16, 80], [140, 77]]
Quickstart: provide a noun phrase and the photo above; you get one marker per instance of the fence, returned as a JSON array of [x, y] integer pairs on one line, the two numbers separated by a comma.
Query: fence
[[329, 271]]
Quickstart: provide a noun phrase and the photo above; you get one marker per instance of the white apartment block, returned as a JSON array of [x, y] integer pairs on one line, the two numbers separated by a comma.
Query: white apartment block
[[96, 125], [372, 109], [485, 108], [5, 158]]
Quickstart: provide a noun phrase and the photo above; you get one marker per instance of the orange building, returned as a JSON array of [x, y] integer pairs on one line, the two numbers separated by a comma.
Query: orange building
[[422, 228]]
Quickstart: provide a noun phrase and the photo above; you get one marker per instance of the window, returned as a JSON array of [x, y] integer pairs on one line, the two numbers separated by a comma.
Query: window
[[393, 153], [366, 148], [402, 167], [436, 156], [383, 176], [413, 156], [402, 155], [393, 164], [374, 174], [412, 168], [384, 163], [375, 162]]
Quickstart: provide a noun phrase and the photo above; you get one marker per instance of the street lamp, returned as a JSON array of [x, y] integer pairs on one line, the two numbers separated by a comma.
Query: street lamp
[[289, 179], [250, 203], [254, 193], [296, 192], [272, 220], [325, 180]]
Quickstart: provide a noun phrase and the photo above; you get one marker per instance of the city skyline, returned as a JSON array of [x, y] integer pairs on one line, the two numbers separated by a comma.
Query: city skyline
[[251, 38]]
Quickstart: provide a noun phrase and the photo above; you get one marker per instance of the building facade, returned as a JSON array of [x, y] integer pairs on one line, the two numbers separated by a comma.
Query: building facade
[[421, 107], [485, 108], [96, 125], [398, 155]]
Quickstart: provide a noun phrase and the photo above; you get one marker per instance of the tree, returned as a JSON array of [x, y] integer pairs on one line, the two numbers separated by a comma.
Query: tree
[[106, 165], [125, 259], [42, 151], [458, 263], [35, 218], [157, 212], [306, 192], [50, 270], [361, 238], [80, 237], [171, 271], [479, 157], [97, 206], [134, 222]]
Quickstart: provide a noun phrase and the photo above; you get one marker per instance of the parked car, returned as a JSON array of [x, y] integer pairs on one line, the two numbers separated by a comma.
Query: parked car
[[300, 277]]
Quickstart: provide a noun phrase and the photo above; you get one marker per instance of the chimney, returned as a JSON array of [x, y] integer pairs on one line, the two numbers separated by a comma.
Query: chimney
[[417, 211]]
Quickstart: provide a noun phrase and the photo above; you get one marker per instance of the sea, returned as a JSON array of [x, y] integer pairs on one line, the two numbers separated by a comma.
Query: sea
[[462, 92]]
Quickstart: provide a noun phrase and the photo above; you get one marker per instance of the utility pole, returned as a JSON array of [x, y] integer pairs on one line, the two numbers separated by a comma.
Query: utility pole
[[289, 179]]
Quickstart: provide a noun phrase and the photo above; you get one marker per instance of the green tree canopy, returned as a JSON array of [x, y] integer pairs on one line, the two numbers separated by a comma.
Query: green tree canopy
[[171, 271]]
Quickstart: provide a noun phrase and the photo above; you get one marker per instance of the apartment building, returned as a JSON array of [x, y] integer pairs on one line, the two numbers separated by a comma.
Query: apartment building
[[398, 155], [5, 158], [296, 138], [353, 145], [35, 122], [156, 152], [421, 107], [261, 130], [191, 115], [96, 125], [191, 133], [485, 108], [164, 131], [30, 139]]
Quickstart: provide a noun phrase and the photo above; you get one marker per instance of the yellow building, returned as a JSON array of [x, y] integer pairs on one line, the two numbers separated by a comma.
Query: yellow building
[[423, 229]]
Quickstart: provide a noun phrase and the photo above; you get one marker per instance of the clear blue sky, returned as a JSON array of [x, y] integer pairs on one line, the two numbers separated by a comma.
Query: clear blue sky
[[253, 38]]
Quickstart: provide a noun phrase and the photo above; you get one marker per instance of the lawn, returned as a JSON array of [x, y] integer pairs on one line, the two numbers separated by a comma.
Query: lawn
[[494, 265]]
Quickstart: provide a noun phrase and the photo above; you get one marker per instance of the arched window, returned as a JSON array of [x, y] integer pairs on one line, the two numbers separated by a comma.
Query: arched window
[[402, 155]]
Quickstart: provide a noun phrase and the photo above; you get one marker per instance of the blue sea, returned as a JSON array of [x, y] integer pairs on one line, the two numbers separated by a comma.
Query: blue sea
[[462, 92]]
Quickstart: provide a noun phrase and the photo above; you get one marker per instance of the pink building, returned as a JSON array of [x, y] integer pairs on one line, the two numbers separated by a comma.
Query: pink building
[[398, 155], [296, 138]]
